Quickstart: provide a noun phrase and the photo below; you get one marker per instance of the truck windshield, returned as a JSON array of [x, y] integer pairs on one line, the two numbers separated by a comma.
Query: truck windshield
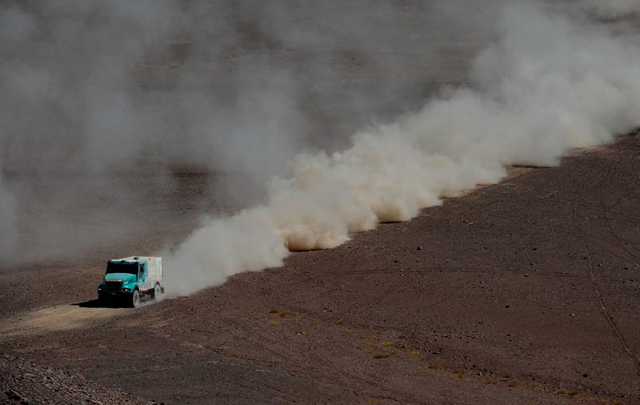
[[131, 268]]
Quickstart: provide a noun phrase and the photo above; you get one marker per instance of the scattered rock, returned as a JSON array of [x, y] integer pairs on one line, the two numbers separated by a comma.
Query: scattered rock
[[24, 382], [16, 396]]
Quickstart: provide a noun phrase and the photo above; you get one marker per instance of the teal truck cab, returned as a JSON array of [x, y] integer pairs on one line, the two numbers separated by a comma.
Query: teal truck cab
[[129, 278]]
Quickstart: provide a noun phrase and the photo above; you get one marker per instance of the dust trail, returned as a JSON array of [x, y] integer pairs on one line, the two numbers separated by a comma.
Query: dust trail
[[90, 90], [549, 83]]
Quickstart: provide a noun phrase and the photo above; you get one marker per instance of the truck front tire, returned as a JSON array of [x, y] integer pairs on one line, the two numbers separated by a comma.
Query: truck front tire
[[135, 299]]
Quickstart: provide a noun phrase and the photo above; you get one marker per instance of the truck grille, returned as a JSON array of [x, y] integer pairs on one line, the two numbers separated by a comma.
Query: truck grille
[[114, 286]]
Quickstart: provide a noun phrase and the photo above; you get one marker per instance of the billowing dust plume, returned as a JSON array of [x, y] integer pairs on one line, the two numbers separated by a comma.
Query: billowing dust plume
[[548, 84], [105, 105]]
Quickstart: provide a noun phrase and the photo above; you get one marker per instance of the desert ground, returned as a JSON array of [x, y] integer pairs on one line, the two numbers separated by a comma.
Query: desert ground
[[524, 292]]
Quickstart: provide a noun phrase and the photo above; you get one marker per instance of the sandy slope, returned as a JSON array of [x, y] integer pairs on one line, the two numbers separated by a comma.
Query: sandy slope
[[524, 292]]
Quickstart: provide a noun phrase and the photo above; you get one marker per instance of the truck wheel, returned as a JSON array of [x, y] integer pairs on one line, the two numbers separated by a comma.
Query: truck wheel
[[157, 290], [135, 299], [103, 299]]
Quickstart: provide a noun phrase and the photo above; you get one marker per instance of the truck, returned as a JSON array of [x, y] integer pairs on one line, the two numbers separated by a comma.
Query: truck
[[128, 279]]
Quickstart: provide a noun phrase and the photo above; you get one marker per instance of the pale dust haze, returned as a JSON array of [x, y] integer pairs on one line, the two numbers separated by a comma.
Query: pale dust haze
[[341, 115], [93, 91], [614, 8], [548, 84]]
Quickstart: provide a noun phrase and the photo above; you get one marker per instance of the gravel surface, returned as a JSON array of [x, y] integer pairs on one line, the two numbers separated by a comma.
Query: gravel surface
[[523, 292], [24, 382]]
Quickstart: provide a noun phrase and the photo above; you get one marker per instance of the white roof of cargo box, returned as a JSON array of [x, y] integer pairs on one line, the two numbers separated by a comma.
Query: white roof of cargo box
[[137, 258]]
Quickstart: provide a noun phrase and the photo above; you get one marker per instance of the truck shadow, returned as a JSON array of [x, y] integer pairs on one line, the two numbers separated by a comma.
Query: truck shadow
[[114, 303], [99, 304]]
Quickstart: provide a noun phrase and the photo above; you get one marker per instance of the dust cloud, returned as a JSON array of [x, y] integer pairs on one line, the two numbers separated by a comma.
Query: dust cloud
[[68, 116], [100, 100], [549, 83], [614, 8], [321, 106], [7, 220]]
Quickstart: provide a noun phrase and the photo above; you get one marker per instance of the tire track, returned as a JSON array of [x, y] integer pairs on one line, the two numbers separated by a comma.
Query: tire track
[[598, 293]]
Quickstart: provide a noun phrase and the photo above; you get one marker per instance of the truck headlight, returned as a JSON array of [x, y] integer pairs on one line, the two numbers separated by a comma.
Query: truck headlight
[[126, 289], [99, 288]]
